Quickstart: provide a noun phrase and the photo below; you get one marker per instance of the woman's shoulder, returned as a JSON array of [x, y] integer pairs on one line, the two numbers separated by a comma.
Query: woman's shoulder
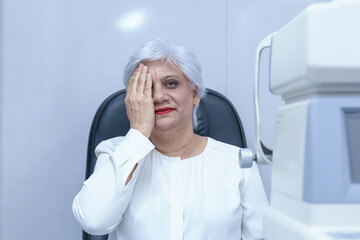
[[134, 141], [108, 145], [229, 154], [222, 150], [222, 146]]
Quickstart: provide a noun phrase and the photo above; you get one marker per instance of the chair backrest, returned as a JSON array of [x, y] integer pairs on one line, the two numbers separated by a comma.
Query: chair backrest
[[217, 118]]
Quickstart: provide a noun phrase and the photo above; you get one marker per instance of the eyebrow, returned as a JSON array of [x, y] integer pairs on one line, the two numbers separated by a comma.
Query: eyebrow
[[170, 76]]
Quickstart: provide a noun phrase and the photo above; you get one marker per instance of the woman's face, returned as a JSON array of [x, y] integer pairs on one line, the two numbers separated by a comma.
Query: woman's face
[[172, 95]]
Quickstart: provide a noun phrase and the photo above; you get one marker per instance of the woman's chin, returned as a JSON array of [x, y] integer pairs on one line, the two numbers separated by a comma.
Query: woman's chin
[[163, 126], [171, 124]]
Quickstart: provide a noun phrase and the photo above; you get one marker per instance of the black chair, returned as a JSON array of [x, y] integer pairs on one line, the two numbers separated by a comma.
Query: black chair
[[217, 118]]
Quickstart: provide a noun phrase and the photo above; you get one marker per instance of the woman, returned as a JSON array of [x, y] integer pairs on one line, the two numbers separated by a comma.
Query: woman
[[161, 180]]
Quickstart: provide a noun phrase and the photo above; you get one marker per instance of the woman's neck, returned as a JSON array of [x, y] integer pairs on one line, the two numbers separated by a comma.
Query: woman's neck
[[183, 144]]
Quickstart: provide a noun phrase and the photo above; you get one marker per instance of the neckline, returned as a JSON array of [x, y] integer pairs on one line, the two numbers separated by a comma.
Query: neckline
[[189, 158]]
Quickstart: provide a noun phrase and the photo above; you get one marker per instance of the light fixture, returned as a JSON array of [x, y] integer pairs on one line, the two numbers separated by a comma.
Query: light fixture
[[131, 20]]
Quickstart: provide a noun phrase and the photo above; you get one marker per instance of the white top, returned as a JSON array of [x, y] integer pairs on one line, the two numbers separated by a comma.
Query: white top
[[200, 198]]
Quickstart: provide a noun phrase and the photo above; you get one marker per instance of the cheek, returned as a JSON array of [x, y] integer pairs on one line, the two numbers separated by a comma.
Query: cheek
[[188, 102], [183, 98]]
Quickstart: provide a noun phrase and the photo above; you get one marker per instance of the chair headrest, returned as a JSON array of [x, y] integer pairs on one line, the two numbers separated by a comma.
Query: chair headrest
[[217, 118]]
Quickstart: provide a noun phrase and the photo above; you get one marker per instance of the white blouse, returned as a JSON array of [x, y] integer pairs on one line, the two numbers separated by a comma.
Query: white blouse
[[199, 198]]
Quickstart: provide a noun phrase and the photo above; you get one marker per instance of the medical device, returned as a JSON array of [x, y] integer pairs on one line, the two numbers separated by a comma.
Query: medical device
[[315, 67]]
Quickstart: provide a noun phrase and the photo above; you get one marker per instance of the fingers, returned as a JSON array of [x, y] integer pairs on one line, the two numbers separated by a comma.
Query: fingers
[[148, 86], [138, 81], [142, 79], [133, 82]]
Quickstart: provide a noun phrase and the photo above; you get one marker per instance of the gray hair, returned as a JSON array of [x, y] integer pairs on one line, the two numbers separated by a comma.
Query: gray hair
[[174, 54]]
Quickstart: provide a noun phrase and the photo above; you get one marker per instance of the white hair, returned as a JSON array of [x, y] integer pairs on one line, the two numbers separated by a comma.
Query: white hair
[[174, 54]]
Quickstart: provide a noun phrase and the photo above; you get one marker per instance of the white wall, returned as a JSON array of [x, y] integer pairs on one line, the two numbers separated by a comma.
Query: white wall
[[59, 59]]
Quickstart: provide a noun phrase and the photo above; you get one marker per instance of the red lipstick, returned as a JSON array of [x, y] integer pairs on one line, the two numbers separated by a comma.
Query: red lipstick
[[163, 110]]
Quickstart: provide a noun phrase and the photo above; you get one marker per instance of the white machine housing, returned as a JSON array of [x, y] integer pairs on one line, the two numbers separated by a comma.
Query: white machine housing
[[318, 51], [315, 66]]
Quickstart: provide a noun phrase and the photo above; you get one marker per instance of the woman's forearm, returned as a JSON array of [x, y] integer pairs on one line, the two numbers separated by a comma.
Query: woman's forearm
[[104, 197]]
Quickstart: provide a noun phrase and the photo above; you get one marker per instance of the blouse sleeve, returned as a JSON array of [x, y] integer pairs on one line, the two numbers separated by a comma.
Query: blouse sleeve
[[254, 203], [103, 199]]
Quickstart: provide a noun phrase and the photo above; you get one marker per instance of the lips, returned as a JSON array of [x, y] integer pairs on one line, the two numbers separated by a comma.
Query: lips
[[163, 110]]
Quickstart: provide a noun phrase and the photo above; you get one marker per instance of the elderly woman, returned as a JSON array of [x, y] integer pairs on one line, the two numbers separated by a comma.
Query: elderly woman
[[161, 180]]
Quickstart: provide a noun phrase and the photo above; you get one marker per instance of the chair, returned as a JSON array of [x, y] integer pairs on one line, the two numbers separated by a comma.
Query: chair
[[217, 118]]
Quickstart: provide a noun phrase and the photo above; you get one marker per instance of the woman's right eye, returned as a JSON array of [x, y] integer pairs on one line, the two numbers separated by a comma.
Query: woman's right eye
[[171, 84]]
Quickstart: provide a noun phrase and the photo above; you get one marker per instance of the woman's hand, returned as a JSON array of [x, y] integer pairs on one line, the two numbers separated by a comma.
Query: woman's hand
[[138, 101]]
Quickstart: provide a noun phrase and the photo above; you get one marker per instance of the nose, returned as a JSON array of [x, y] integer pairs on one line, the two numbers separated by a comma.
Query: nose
[[157, 93]]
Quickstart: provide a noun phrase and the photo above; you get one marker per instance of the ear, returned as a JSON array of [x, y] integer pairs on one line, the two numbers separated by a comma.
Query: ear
[[196, 97]]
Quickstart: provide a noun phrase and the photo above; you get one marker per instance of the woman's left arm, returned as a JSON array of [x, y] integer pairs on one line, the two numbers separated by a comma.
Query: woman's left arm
[[254, 202]]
